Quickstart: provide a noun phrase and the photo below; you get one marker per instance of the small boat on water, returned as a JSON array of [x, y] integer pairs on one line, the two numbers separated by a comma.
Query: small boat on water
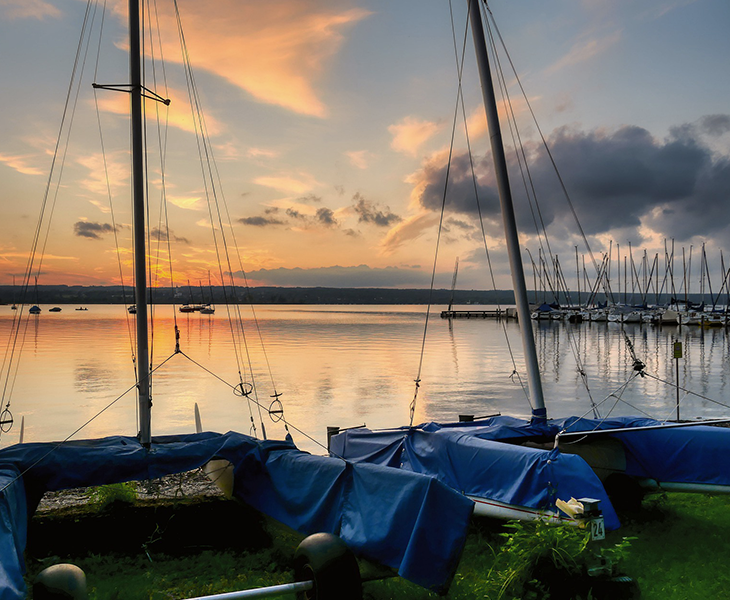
[[81, 308], [34, 310], [55, 309]]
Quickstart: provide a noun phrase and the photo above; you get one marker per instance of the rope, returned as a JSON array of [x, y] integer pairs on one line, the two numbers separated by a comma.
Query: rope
[[417, 381], [686, 391], [526, 175], [57, 445], [12, 363], [110, 198], [207, 161]]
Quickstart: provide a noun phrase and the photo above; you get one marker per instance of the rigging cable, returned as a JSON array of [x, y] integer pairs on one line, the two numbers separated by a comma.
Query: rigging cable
[[12, 363], [460, 70], [206, 158], [417, 381], [115, 227], [530, 191]]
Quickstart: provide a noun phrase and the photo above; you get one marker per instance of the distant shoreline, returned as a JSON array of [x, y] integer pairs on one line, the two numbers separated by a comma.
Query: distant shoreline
[[88, 295]]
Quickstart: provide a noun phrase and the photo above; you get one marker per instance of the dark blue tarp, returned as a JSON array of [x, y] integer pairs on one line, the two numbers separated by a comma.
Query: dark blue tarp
[[13, 519], [469, 458], [473, 457], [411, 523]]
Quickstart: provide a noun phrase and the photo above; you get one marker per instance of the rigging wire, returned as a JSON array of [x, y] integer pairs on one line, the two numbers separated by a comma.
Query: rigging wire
[[209, 170], [57, 445], [13, 352], [115, 227], [417, 381], [526, 175], [162, 144]]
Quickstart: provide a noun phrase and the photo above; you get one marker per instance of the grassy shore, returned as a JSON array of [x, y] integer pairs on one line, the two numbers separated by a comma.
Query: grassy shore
[[162, 548]]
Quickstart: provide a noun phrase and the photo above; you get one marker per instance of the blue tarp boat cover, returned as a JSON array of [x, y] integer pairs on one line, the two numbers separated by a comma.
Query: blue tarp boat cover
[[474, 459], [411, 523]]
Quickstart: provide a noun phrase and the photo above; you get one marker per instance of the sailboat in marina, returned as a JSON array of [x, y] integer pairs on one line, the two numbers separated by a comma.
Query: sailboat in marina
[[514, 468], [382, 514]]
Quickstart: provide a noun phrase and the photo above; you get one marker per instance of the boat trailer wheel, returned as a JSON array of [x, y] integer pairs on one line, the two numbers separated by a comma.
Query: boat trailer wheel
[[326, 560]]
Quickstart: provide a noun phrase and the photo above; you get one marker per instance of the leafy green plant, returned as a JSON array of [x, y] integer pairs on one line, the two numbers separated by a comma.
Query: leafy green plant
[[535, 556], [105, 495]]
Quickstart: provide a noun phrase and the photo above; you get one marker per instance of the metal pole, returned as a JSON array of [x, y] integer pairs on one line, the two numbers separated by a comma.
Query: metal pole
[[677, 356], [508, 216], [267, 592], [140, 249]]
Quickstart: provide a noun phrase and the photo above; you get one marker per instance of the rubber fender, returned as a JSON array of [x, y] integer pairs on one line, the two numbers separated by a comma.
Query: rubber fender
[[327, 561]]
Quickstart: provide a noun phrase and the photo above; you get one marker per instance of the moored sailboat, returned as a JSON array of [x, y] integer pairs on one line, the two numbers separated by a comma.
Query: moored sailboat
[[519, 469], [383, 514]]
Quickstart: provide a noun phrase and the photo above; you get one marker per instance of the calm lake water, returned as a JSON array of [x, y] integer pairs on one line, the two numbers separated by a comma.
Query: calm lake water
[[342, 366]]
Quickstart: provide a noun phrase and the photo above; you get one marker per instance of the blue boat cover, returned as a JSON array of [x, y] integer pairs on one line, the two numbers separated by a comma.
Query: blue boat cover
[[411, 523], [473, 458], [13, 519]]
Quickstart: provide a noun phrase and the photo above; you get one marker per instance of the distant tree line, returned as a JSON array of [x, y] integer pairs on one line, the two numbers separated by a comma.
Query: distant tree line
[[77, 294]]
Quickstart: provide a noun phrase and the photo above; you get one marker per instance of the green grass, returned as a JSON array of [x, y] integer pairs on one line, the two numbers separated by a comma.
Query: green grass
[[680, 552]]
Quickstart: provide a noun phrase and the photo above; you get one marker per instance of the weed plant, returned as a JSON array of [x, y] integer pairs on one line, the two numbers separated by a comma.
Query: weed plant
[[106, 495]]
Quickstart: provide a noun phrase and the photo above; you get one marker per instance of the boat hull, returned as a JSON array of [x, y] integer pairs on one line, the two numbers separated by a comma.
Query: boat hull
[[511, 468], [382, 514]]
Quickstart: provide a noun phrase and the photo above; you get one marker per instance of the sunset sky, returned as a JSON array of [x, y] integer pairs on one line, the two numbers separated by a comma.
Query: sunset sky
[[330, 122]]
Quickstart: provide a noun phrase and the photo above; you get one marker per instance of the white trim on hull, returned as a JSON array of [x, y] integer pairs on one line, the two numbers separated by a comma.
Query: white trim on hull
[[484, 507], [692, 488]]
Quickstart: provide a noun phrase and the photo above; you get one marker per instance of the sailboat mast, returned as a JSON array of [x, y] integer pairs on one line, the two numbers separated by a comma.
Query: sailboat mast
[[140, 253], [508, 215]]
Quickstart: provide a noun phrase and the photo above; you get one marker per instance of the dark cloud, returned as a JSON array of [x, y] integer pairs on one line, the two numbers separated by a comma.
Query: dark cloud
[[459, 224], [260, 221], [326, 217], [715, 125], [311, 198], [93, 231], [160, 235], [337, 276], [369, 213], [616, 180]]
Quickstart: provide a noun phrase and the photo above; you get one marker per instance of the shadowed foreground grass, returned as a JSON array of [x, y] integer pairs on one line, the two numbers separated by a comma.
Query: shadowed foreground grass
[[164, 550]]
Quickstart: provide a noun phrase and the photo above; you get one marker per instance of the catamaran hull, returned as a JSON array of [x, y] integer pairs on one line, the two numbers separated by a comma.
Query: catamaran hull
[[510, 468], [408, 522]]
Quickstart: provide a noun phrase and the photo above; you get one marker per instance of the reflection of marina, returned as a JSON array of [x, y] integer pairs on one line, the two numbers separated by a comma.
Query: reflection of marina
[[350, 365]]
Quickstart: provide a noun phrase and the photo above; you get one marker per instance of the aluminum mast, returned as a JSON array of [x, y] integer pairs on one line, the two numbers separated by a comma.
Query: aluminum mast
[[140, 248], [508, 215]]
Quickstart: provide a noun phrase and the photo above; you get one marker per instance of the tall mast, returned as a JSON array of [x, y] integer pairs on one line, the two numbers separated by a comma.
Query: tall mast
[[140, 253], [508, 216]]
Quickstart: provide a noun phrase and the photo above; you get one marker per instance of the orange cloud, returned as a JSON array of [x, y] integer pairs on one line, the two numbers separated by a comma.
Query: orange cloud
[[20, 164], [411, 133], [277, 52], [301, 184], [177, 114], [187, 202], [585, 50], [407, 230], [359, 158], [29, 9], [117, 171]]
